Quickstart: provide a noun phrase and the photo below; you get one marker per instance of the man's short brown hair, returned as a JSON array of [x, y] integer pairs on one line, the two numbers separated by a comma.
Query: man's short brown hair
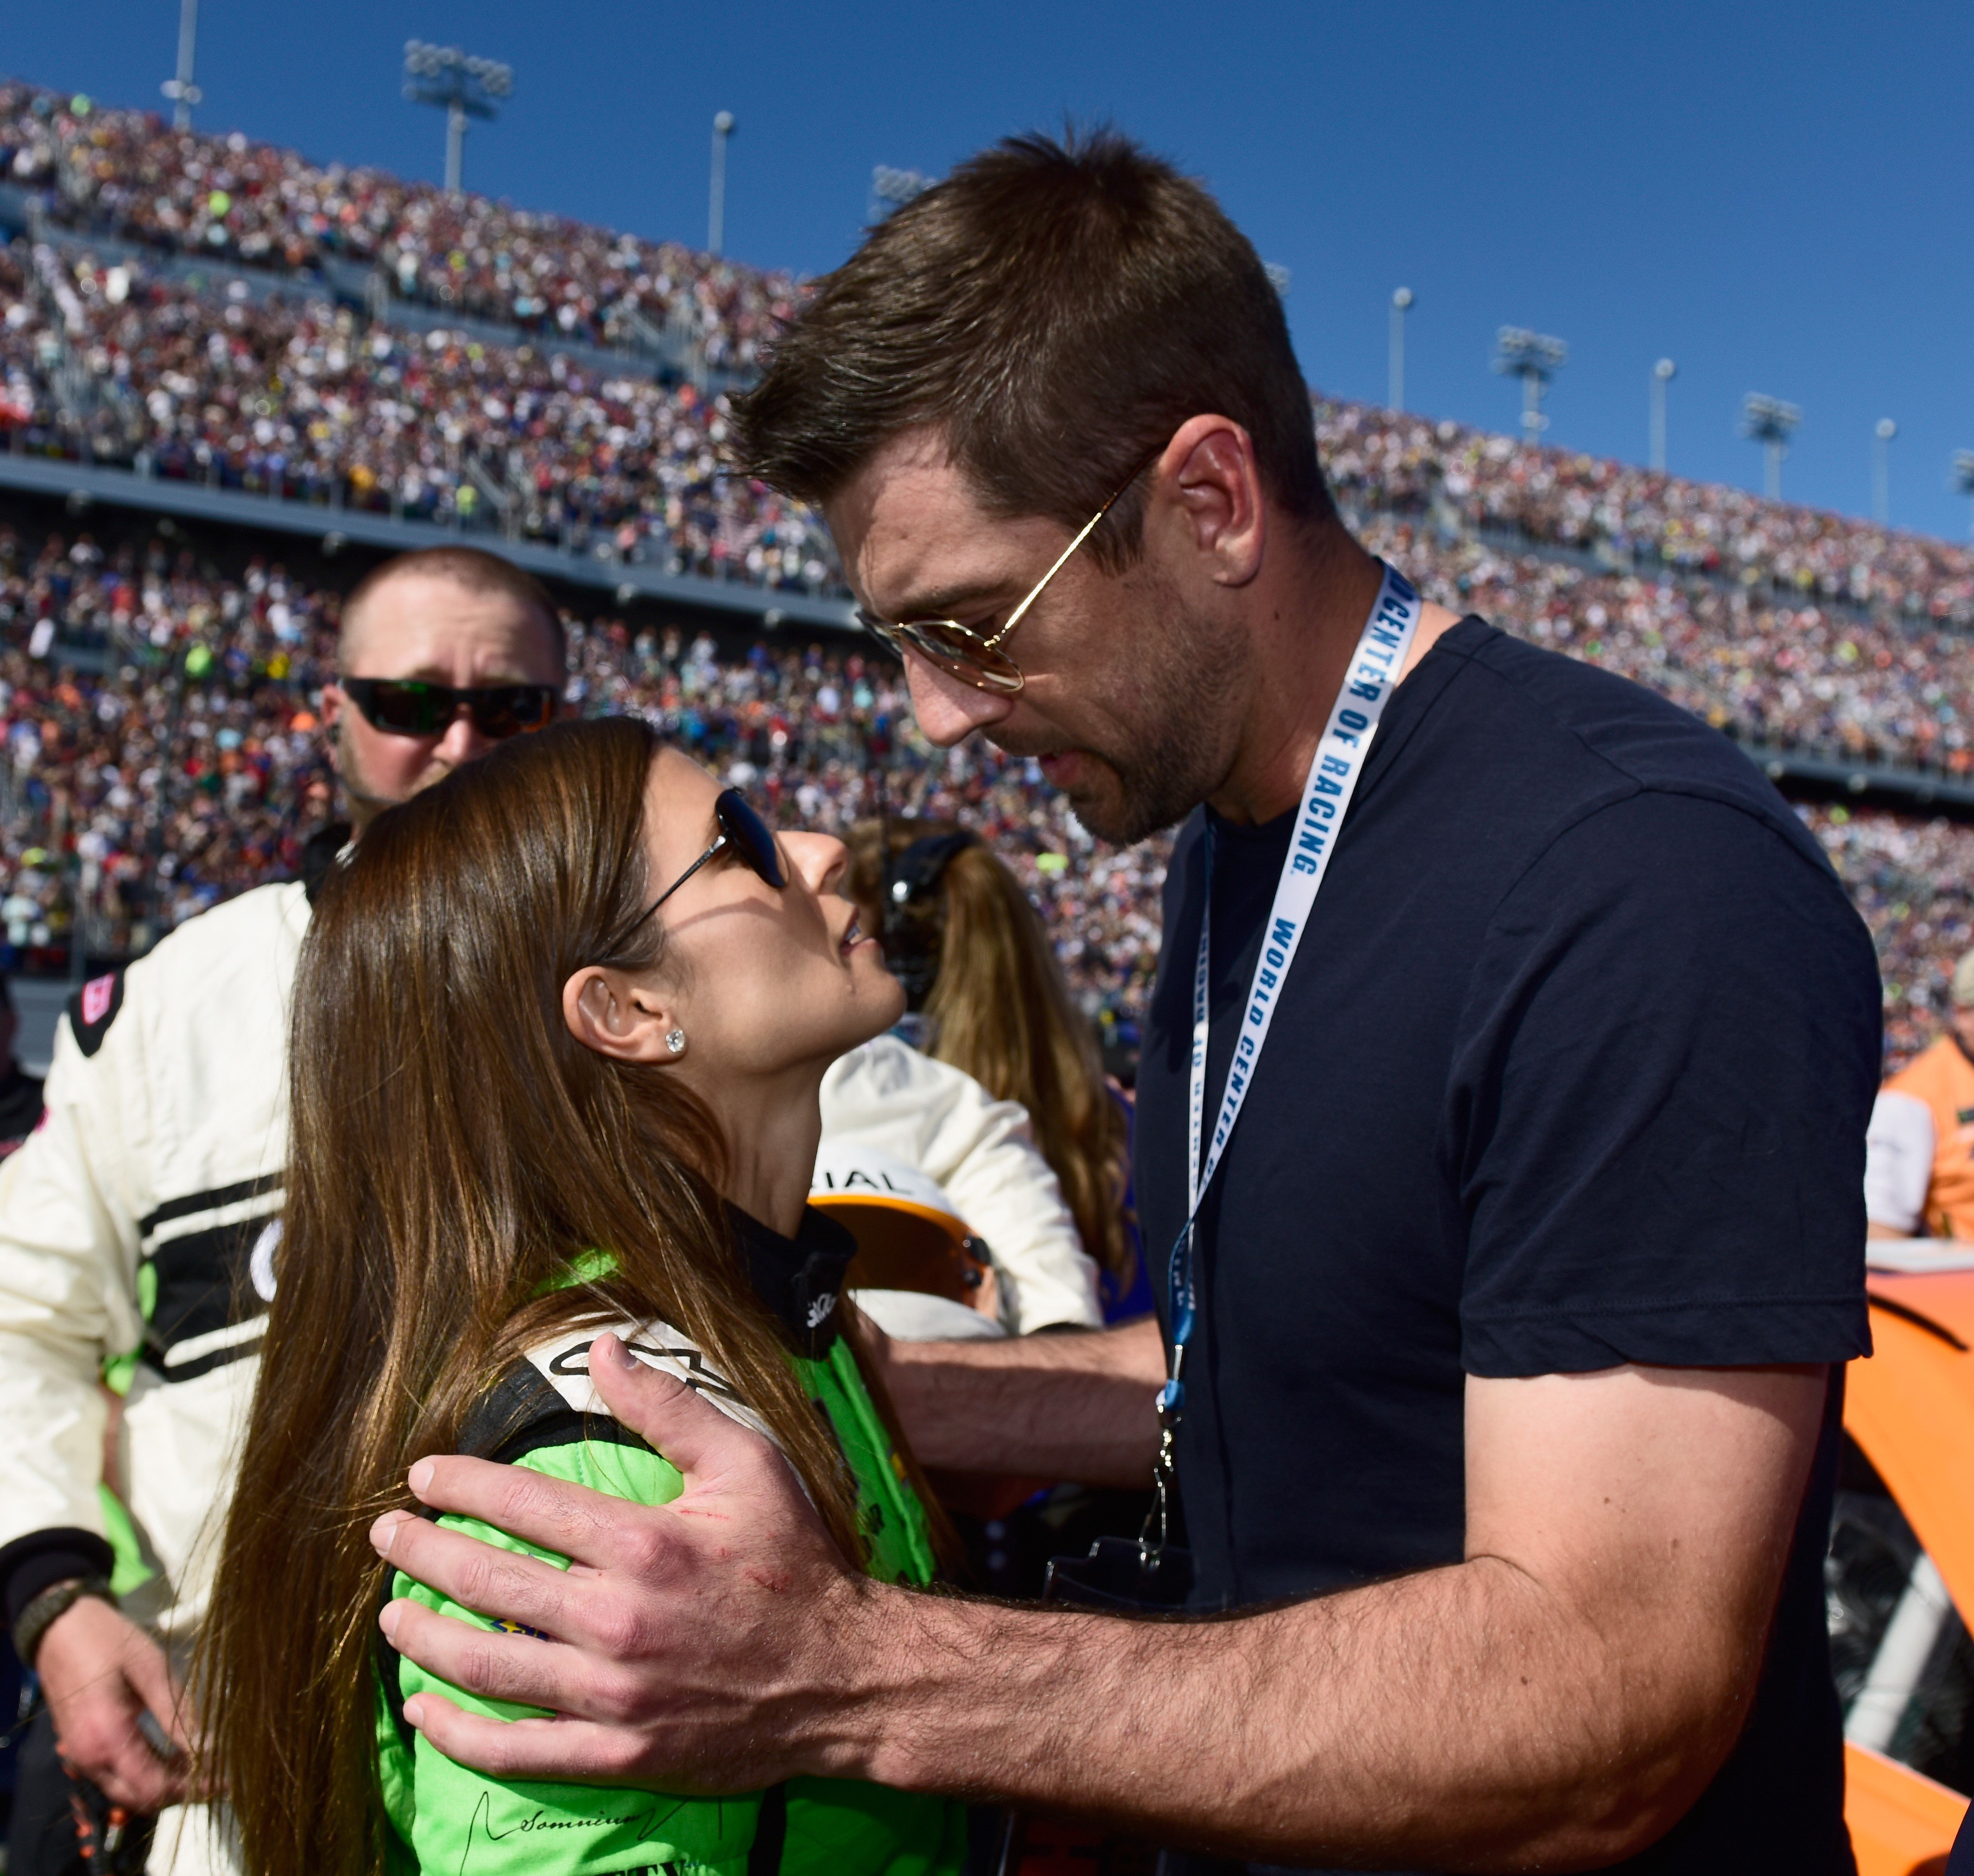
[[1056, 311], [472, 567]]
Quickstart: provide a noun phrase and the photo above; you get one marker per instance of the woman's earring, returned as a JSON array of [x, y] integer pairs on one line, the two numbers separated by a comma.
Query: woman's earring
[[675, 1041]]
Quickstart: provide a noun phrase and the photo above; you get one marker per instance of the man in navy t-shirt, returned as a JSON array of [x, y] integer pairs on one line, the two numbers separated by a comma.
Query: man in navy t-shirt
[[1525, 1283], [1573, 1078]]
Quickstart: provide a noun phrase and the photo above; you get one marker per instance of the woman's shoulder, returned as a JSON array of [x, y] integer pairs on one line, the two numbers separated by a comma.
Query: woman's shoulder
[[546, 1399]]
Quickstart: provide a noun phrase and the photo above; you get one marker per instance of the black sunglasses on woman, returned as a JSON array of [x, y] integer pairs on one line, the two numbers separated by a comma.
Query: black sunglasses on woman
[[743, 831]]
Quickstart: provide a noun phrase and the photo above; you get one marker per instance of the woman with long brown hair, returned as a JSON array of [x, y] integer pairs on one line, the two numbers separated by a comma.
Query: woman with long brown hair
[[558, 1028], [977, 966]]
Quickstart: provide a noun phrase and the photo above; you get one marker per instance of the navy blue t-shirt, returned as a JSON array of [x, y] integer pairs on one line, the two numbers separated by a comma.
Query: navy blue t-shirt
[[1961, 1862], [1572, 1069]]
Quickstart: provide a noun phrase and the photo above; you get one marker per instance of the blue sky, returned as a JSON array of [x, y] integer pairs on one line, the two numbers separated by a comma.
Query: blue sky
[[1774, 196]]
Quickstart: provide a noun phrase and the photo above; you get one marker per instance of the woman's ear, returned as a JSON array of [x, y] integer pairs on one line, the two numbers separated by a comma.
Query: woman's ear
[[616, 1016]]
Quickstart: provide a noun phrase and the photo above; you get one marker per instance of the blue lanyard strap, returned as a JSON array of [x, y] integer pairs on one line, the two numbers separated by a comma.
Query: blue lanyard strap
[[1333, 775]]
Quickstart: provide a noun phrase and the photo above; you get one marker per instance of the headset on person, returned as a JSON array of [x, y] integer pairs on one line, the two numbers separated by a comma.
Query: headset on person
[[913, 927]]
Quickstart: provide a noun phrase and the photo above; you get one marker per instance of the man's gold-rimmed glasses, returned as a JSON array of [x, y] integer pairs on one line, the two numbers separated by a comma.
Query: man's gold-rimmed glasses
[[963, 653]]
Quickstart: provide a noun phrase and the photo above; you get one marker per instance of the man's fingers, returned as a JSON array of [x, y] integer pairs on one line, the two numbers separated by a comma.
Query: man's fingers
[[691, 1433], [573, 1750], [524, 1671], [585, 1527], [501, 1583], [151, 1782], [115, 1757], [151, 1678], [519, 1668]]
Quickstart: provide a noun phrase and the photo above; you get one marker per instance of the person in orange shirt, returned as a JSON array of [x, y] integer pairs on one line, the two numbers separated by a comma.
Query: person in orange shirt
[[1919, 1163]]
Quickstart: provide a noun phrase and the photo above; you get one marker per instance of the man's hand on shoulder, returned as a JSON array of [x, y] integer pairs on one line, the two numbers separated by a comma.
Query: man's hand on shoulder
[[100, 1672], [706, 1645], [1561, 1696]]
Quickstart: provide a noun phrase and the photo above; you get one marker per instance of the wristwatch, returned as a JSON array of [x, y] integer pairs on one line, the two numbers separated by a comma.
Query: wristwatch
[[56, 1601]]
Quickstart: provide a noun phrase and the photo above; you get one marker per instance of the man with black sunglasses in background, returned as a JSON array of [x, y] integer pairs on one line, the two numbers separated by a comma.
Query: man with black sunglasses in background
[[135, 1221], [433, 672]]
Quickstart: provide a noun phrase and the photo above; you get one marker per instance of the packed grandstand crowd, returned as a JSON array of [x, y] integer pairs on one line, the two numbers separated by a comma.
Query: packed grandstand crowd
[[308, 398], [194, 767], [1391, 459], [226, 199]]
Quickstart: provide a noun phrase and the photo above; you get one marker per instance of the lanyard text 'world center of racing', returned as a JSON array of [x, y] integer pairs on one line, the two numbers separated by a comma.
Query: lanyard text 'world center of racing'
[[1375, 667]]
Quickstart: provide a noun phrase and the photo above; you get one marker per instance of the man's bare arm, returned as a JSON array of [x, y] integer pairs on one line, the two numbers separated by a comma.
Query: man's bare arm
[[1071, 1405], [1560, 1697]]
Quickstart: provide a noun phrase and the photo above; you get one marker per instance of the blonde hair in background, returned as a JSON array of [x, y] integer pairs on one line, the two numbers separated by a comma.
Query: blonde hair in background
[[1001, 1010]]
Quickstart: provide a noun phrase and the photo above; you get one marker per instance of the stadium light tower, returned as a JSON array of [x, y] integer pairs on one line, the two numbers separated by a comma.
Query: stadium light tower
[[466, 86], [180, 90], [1882, 433], [1770, 422], [892, 188], [1535, 358], [1963, 476], [1664, 372], [716, 197], [1394, 390]]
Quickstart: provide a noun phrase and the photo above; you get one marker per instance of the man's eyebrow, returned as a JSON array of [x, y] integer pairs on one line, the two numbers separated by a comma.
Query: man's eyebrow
[[946, 602]]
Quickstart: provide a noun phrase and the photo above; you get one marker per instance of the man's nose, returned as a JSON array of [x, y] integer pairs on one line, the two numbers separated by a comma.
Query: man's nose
[[948, 710], [462, 742]]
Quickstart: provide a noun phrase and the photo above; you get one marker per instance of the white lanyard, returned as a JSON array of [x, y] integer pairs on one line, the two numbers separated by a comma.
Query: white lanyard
[[1374, 670]]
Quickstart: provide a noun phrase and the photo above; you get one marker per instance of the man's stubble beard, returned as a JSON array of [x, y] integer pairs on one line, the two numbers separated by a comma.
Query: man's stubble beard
[[365, 801], [1187, 704]]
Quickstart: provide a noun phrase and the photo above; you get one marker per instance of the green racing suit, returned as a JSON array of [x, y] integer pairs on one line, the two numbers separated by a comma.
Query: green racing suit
[[446, 1817]]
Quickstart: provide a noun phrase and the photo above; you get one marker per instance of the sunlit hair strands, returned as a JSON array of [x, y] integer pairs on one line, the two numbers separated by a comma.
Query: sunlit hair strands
[[453, 1148]]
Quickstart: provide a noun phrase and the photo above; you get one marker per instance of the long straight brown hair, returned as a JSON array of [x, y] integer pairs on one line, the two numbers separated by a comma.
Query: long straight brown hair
[[999, 1008], [453, 1148]]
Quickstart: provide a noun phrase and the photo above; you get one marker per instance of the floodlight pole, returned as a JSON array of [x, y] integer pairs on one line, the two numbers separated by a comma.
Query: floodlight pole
[[1535, 358], [1770, 422], [180, 90], [1664, 372], [455, 146], [466, 85], [1394, 390], [1963, 478], [1882, 433], [716, 202]]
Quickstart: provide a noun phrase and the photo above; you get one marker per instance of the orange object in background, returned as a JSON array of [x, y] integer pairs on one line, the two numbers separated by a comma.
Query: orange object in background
[[1901, 1824], [913, 1243], [1900, 1574], [904, 1246]]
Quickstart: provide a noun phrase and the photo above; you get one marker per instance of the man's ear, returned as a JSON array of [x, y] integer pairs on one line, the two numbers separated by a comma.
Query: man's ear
[[608, 1012], [335, 708], [1209, 466]]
